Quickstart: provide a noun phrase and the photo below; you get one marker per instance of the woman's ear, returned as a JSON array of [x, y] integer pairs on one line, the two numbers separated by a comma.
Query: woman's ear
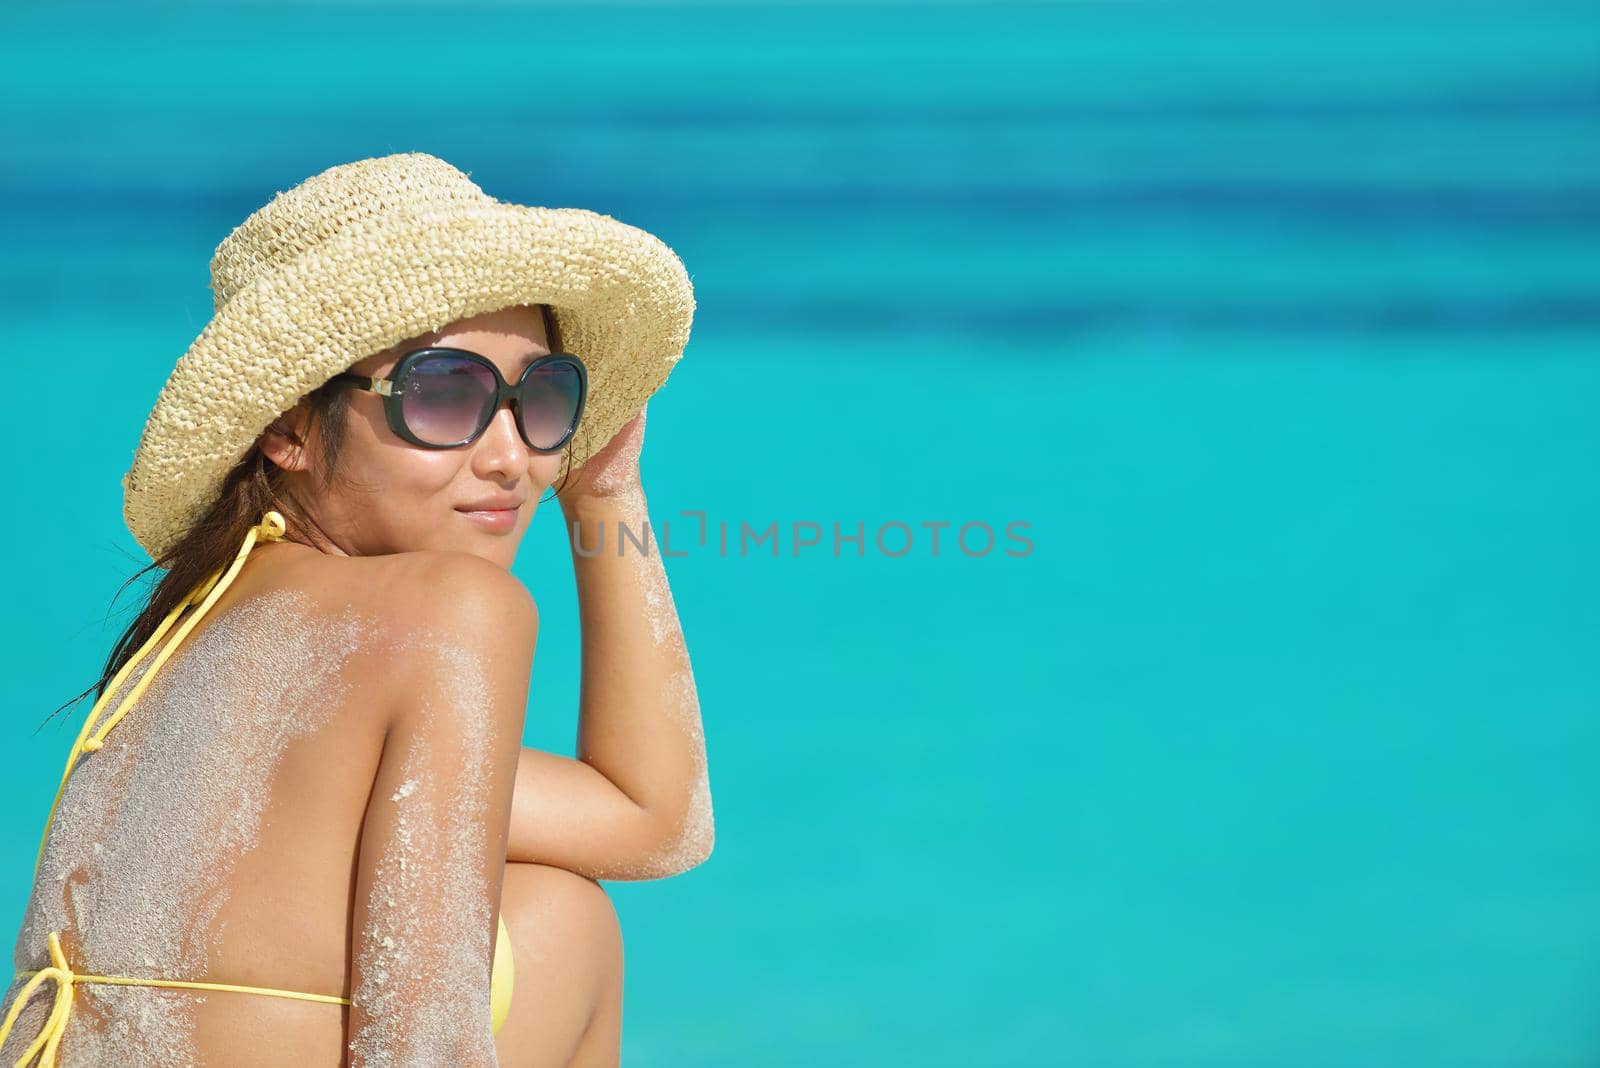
[[284, 441]]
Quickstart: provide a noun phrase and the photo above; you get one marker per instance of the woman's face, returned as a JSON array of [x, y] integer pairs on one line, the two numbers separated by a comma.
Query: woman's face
[[392, 496]]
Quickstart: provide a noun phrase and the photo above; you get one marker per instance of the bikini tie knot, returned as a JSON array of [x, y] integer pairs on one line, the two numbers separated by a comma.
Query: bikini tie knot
[[56, 1024], [272, 526]]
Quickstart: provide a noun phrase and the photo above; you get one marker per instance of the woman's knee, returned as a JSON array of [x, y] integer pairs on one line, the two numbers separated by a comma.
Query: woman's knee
[[567, 944], [563, 904]]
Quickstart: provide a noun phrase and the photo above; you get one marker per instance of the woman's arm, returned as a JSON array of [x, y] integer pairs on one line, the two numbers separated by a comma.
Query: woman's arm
[[636, 804], [433, 841]]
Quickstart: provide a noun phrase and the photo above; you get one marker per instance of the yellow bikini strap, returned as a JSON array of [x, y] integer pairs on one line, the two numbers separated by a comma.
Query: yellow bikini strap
[[271, 528], [60, 972]]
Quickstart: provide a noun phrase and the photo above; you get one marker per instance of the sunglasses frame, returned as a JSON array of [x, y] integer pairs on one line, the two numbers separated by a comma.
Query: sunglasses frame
[[391, 388]]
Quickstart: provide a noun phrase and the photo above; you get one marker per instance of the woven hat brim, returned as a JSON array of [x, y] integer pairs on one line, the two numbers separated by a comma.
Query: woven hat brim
[[621, 297]]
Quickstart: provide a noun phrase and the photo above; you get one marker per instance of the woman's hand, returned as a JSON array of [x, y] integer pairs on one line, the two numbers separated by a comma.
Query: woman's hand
[[613, 471]]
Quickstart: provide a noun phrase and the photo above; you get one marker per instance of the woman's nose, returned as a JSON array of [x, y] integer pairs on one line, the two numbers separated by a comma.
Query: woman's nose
[[501, 447]]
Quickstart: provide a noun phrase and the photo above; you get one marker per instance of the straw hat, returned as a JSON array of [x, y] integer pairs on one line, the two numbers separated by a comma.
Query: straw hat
[[365, 255]]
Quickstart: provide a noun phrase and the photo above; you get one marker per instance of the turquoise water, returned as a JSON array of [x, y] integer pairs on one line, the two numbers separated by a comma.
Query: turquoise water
[[1276, 328]]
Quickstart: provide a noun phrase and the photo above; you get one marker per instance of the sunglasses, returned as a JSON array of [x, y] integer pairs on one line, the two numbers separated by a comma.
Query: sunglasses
[[443, 398]]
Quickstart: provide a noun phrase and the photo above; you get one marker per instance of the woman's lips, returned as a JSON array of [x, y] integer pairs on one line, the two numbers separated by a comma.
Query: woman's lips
[[498, 520]]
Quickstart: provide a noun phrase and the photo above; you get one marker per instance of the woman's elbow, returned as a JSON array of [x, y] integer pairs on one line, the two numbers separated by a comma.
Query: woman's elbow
[[688, 842], [699, 834]]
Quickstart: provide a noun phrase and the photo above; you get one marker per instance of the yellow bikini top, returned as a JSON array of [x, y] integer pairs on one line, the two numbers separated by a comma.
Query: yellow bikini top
[[91, 738], [271, 528]]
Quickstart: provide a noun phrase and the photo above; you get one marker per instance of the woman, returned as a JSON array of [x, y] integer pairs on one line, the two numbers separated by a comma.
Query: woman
[[299, 826]]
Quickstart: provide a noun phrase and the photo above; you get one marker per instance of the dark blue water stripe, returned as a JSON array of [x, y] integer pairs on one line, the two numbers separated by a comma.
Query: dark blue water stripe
[[47, 209], [1288, 319], [1569, 95], [1575, 97], [895, 316]]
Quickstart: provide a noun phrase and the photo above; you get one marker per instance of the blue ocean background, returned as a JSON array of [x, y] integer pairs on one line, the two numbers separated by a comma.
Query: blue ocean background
[[1274, 325]]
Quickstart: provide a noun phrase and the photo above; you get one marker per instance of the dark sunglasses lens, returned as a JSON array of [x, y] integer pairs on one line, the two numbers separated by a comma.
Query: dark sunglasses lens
[[551, 395], [446, 399]]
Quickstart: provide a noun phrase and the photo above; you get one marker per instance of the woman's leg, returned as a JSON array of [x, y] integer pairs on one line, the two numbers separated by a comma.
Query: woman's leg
[[566, 1003], [601, 1045]]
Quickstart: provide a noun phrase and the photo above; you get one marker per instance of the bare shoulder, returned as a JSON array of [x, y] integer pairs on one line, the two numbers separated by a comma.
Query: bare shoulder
[[436, 589], [439, 588], [457, 629], [433, 614]]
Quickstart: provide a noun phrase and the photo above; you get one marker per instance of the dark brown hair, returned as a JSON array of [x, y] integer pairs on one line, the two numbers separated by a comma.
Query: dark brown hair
[[254, 485]]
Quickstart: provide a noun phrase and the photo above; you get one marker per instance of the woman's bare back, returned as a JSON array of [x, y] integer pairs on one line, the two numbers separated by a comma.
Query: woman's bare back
[[216, 835]]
